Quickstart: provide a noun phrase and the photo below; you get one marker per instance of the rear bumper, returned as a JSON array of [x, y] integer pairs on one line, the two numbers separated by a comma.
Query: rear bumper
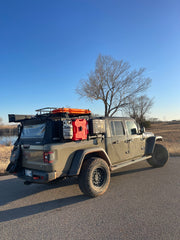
[[36, 176]]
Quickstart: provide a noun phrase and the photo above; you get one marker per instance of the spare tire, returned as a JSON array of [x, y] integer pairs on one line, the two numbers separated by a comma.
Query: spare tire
[[15, 160]]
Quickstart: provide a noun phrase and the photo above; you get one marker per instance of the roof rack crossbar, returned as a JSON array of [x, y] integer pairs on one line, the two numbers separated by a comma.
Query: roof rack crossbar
[[45, 110]]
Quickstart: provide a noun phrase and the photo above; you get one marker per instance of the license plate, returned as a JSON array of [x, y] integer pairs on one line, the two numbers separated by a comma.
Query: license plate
[[28, 173]]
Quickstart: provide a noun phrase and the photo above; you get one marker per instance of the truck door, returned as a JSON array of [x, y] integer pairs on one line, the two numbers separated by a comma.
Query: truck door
[[117, 145], [136, 142]]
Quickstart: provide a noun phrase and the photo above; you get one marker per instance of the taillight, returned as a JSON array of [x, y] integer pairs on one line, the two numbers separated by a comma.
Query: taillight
[[48, 157]]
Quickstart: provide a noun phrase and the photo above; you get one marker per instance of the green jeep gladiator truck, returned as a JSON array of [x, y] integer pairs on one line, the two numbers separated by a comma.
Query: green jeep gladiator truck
[[64, 142]]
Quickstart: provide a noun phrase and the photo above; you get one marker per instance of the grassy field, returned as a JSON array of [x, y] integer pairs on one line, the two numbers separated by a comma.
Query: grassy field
[[170, 131], [5, 152]]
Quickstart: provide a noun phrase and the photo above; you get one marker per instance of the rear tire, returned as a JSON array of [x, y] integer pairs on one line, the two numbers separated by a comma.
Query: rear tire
[[160, 156], [94, 177]]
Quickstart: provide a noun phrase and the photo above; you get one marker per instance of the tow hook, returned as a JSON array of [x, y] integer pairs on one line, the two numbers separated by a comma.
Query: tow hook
[[27, 183]]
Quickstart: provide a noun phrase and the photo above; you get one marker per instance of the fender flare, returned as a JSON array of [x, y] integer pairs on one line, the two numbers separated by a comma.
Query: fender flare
[[80, 155], [159, 138], [150, 144]]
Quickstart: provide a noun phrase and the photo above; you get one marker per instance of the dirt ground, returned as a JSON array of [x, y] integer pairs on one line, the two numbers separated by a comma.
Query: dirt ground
[[170, 131]]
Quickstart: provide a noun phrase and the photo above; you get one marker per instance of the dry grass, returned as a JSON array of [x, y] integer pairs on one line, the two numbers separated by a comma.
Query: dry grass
[[170, 131], [8, 126], [5, 152]]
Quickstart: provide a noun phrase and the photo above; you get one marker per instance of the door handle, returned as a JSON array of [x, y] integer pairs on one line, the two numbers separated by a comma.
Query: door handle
[[116, 142], [26, 146], [129, 140]]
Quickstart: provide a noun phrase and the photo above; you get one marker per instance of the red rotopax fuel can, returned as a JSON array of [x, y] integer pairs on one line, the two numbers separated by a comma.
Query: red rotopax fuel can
[[80, 130]]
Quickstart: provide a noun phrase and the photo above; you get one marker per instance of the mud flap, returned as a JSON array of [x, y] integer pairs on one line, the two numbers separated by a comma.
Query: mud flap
[[15, 160]]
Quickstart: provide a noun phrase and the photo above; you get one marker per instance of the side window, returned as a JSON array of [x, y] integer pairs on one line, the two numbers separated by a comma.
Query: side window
[[112, 129], [117, 128], [131, 127]]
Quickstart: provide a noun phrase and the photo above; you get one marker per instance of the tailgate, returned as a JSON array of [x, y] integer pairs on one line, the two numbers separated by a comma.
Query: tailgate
[[32, 157]]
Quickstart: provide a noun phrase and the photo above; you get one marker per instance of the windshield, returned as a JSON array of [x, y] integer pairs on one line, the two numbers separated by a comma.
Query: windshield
[[33, 131]]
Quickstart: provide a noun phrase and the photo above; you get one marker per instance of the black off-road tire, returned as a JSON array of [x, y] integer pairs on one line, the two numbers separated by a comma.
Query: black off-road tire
[[160, 156], [15, 160], [94, 177]]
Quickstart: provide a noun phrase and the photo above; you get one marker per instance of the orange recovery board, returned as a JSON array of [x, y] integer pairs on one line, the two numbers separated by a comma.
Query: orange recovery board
[[73, 111]]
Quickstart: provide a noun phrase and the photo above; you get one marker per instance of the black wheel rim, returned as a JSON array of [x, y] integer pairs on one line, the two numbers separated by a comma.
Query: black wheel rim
[[99, 177]]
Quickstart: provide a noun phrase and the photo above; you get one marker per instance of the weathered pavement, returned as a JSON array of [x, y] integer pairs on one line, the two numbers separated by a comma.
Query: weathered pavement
[[141, 203]]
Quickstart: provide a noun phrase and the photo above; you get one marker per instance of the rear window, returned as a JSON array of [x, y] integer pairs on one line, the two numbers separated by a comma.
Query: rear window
[[33, 131]]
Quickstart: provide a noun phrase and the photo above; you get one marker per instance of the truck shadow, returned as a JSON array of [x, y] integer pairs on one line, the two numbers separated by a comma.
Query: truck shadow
[[125, 172], [14, 189], [25, 211], [19, 191]]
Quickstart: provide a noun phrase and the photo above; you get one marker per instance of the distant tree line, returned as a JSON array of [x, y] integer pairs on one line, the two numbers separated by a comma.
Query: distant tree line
[[5, 131]]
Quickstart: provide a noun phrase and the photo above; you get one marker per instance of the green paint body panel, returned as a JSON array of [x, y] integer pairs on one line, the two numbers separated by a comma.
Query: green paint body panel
[[117, 146]]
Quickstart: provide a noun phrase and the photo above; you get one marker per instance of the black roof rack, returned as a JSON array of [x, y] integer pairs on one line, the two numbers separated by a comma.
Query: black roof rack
[[45, 110]]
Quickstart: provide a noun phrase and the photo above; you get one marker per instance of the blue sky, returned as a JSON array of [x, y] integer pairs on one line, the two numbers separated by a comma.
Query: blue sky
[[46, 47]]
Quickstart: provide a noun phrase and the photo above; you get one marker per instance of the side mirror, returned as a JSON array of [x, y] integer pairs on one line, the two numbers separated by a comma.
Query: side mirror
[[133, 131], [142, 130]]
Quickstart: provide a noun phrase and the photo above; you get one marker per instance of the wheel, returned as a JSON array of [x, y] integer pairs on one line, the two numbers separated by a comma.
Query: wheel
[[160, 156], [94, 177]]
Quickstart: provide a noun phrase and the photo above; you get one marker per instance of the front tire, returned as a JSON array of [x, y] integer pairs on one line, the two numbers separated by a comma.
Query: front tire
[[94, 177], [160, 156]]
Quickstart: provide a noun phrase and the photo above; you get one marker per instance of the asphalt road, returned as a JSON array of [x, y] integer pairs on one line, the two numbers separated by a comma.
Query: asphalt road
[[141, 203]]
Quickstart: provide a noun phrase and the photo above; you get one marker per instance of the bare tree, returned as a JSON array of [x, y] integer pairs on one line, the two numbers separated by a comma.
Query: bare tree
[[113, 83], [138, 107], [1, 121]]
